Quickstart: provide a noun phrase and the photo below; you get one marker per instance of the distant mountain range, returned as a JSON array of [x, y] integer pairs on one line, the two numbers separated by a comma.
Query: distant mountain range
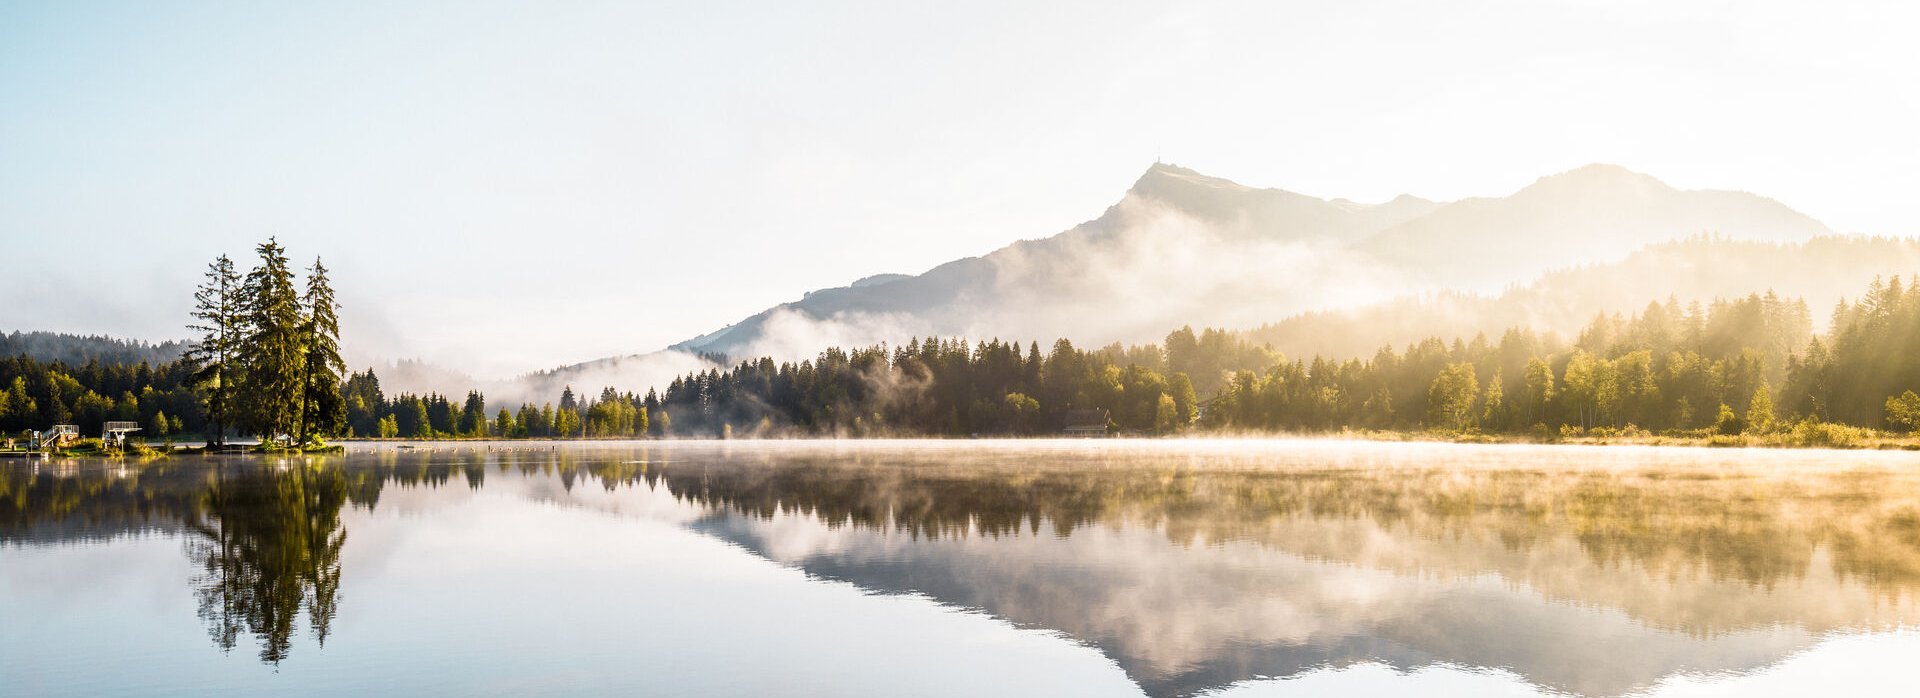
[[1596, 213], [1823, 271], [1184, 248]]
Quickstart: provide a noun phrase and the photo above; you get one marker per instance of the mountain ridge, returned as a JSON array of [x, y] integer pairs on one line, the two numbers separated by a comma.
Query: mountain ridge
[[1597, 212], [1216, 228], [1184, 248]]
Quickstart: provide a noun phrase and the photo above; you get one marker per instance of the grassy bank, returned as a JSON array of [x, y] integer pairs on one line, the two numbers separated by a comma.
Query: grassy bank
[[1802, 435]]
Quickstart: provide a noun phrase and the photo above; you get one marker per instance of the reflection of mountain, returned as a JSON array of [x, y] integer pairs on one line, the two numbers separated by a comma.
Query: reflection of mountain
[[1595, 571], [1597, 580]]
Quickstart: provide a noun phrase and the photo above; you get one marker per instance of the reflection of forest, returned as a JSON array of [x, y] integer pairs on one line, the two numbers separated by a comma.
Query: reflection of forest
[[1586, 578], [1759, 529], [1646, 535], [1695, 544]]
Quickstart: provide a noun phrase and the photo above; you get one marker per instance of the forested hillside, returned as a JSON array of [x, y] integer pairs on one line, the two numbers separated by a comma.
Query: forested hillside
[[73, 349], [1745, 365], [1822, 271]]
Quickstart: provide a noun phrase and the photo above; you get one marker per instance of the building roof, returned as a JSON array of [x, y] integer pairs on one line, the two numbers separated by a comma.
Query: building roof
[[1086, 419]]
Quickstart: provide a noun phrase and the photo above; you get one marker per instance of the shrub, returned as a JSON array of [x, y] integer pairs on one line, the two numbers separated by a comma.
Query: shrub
[[1829, 435], [1726, 440], [1728, 423], [1903, 412]]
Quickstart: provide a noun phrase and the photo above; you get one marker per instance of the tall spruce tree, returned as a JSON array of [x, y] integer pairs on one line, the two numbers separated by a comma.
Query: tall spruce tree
[[272, 353], [323, 411], [218, 316]]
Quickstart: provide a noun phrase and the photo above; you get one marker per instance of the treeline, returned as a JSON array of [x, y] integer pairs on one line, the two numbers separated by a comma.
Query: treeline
[[942, 387], [370, 413], [1744, 366], [1665, 368], [79, 350], [267, 363], [1749, 365], [36, 394]]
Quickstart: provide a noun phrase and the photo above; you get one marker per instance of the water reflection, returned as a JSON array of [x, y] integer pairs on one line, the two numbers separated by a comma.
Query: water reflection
[[1591, 571], [267, 542]]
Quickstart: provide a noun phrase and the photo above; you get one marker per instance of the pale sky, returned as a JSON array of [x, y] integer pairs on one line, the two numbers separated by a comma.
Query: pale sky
[[502, 187]]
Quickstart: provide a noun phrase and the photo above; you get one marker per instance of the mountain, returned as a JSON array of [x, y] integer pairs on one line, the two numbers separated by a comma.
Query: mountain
[[1179, 247], [1591, 214], [1823, 271], [1183, 248]]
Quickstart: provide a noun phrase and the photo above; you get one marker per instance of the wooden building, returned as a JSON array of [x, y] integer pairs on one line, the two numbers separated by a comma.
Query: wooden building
[[1091, 422]]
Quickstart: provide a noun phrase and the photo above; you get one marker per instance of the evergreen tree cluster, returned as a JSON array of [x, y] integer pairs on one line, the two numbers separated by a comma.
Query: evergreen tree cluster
[[945, 387], [268, 355], [1868, 366]]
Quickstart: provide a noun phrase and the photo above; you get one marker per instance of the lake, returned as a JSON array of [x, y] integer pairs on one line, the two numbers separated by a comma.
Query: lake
[[965, 568]]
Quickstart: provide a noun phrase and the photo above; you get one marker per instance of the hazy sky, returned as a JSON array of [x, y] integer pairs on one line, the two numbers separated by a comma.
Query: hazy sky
[[508, 186]]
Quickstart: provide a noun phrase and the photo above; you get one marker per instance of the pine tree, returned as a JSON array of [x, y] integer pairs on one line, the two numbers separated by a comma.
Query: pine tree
[[1760, 410], [323, 410], [473, 415], [272, 355], [221, 322], [1493, 409]]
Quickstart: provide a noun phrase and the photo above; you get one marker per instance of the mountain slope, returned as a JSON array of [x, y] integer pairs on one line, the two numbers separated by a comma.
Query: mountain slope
[[1178, 247], [1591, 214], [1823, 271], [1183, 248]]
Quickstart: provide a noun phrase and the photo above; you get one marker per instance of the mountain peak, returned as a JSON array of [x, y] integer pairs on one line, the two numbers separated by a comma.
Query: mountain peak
[[1161, 177], [1600, 175]]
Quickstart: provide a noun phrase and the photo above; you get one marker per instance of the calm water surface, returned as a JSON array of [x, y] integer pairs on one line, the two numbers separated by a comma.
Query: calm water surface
[[965, 568]]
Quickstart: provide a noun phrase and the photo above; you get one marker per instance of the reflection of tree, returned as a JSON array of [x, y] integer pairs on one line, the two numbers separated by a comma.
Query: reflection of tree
[[1664, 521], [269, 547]]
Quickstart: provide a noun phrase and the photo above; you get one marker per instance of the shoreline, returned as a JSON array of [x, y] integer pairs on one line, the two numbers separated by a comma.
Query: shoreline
[[1774, 441]]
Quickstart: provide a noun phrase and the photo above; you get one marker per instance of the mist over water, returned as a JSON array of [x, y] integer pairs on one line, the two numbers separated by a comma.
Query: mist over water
[[634, 373]]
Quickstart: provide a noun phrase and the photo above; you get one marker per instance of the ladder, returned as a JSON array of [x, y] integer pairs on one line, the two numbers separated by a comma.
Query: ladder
[[56, 436]]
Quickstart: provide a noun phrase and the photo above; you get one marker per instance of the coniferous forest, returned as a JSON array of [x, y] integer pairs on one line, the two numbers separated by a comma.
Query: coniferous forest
[[266, 363]]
